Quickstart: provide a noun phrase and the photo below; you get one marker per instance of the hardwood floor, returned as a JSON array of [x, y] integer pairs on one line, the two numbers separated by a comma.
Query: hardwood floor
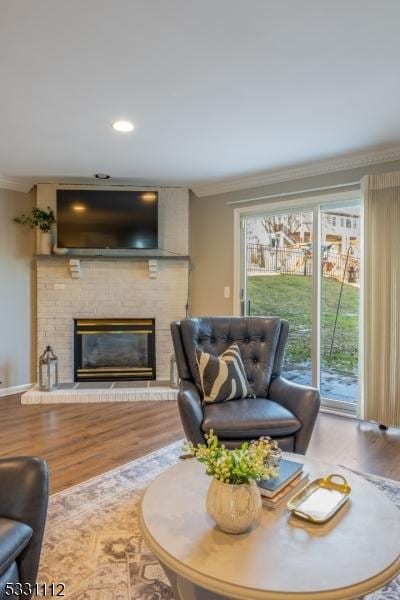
[[357, 445], [80, 441]]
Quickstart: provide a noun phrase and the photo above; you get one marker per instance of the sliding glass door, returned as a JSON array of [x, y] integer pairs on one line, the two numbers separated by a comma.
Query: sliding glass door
[[303, 264]]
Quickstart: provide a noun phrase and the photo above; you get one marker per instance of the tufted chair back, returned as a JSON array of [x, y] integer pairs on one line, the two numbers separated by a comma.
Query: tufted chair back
[[261, 340]]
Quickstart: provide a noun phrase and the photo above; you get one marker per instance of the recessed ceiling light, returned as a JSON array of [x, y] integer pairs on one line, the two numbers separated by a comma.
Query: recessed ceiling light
[[102, 176], [123, 126]]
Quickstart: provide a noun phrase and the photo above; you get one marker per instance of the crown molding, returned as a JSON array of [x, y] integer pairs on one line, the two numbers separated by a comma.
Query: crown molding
[[322, 167], [17, 185]]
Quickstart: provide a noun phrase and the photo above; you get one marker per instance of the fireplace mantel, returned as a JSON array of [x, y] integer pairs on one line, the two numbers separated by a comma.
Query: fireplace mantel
[[112, 256], [75, 260]]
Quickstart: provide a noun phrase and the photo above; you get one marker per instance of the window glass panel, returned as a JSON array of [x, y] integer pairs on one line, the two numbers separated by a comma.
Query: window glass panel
[[340, 304], [279, 281]]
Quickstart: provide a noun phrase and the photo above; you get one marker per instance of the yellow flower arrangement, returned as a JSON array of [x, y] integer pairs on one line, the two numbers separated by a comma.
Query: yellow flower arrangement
[[250, 462]]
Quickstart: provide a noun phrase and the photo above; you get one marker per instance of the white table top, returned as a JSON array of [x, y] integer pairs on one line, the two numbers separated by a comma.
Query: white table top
[[282, 557]]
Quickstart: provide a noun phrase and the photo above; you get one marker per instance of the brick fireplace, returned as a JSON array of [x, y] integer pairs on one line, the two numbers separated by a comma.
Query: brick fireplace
[[116, 287]]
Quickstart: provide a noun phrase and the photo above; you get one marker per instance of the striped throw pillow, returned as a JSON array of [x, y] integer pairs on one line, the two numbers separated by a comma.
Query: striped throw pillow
[[223, 377]]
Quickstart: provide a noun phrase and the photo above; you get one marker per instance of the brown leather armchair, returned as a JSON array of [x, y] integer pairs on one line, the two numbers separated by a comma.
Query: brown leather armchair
[[23, 508], [283, 410]]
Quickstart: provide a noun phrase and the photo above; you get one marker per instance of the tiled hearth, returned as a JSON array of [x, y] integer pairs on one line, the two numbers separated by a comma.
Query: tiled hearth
[[128, 391]]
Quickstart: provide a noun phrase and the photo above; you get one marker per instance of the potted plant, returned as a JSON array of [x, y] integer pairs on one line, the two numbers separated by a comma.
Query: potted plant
[[43, 220], [233, 499]]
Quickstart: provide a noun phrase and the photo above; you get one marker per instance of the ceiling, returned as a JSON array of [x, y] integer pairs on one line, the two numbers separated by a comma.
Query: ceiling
[[216, 89]]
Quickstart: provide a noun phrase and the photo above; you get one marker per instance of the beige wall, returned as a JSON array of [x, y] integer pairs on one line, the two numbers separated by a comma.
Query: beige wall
[[211, 242], [211, 235], [17, 314]]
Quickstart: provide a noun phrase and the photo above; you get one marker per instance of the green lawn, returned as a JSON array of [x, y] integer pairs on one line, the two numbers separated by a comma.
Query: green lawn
[[289, 297]]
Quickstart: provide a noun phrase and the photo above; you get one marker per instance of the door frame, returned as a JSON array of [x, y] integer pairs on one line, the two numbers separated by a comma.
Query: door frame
[[314, 203]]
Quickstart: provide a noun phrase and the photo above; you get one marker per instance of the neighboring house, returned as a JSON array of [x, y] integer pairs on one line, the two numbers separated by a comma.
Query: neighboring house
[[283, 243], [284, 231], [340, 231]]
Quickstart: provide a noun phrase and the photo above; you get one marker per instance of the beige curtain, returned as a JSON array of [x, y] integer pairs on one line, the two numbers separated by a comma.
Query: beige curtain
[[381, 371]]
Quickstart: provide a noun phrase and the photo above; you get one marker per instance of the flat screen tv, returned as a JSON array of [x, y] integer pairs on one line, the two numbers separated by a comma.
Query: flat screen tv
[[107, 219]]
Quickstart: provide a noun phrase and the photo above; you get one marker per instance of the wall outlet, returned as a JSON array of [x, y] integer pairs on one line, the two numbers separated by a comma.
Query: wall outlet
[[227, 291]]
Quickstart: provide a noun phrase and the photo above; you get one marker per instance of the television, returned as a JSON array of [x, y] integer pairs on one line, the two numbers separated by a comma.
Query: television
[[102, 219]]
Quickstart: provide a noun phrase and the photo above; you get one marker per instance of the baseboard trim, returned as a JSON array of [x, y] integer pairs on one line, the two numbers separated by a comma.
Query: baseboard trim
[[15, 389], [339, 413]]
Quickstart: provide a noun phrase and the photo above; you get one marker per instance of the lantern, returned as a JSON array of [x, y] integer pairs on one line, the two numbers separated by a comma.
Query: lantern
[[48, 370]]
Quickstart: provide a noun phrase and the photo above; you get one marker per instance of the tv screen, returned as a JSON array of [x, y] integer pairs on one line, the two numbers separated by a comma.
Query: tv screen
[[107, 219]]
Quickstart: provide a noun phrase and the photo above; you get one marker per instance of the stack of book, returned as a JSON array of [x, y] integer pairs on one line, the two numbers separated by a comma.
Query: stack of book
[[277, 490]]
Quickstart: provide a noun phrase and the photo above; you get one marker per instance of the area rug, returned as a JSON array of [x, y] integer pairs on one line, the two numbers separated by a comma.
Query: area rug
[[93, 543]]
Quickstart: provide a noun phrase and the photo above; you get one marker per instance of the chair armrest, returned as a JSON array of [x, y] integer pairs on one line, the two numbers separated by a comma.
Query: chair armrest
[[24, 497], [302, 401], [191, 411]]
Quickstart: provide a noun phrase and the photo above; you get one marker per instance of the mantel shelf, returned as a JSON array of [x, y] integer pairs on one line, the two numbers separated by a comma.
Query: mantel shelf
[[112, 257]]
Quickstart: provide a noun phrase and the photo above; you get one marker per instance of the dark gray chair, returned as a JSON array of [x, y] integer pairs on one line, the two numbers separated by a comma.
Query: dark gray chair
[[283, 410], [23, 509]]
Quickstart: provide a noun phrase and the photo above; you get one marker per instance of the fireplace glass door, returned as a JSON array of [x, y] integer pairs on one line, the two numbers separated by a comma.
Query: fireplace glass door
[[119, 349]]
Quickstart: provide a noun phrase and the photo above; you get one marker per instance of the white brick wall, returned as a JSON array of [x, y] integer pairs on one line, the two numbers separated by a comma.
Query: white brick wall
[[108, 289]]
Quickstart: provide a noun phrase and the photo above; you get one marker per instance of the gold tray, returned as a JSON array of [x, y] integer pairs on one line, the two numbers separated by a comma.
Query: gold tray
[[320, 499]]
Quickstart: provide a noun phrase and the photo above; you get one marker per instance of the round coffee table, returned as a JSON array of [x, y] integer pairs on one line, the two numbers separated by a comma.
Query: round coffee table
[[282, 557]]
